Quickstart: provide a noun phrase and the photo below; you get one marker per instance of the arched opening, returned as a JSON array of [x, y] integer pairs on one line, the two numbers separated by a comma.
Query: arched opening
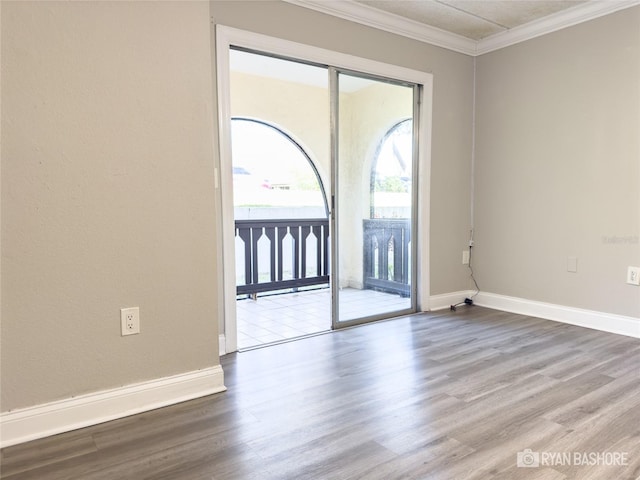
[[387, 233], [390, 186], [272, 172], [281, 223]]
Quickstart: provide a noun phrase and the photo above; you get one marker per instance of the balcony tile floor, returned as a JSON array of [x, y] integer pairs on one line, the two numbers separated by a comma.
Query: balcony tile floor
[[277, 318]]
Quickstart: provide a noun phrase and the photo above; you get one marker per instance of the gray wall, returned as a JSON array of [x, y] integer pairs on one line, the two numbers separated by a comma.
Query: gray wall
[[558, 166], [108, 145], [107, 198]]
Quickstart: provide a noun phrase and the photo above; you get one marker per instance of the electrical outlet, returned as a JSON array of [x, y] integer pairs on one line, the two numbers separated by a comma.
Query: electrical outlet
[[633, 275], [130, 320], [465, 257]]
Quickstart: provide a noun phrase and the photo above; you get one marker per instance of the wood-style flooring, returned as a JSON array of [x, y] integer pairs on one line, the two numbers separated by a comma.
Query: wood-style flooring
[[449, 395]]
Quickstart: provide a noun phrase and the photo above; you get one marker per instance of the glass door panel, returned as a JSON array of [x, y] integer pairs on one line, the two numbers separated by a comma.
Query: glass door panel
[[374, 169], [279, 138]]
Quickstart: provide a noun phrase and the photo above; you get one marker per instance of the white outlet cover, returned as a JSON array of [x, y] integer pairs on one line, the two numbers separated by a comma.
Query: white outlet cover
[[633, 275], [130, 321]]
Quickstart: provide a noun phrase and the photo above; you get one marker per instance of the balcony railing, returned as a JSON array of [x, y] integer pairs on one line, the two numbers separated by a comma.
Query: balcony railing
[[387, 255], [281, 254], [291, 253]]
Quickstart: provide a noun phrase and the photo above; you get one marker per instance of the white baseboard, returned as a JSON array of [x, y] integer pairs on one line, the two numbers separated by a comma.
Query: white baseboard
[[222, 345], [445, 300], [70, 414], [606, 322]]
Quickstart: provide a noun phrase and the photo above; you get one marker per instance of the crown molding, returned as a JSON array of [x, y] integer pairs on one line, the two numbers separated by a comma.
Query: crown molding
[[389, 22], [365, 15], [564, 19]]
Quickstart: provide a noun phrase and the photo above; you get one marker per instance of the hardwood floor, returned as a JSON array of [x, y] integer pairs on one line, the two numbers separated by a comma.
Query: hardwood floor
[[451, 395]]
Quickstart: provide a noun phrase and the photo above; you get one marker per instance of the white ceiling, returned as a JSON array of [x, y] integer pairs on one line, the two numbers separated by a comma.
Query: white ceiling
[[473, 19], [472, 27]]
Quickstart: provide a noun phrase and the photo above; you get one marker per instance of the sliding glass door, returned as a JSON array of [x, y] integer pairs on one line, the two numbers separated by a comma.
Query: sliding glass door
[[374, 171], [368, 172]]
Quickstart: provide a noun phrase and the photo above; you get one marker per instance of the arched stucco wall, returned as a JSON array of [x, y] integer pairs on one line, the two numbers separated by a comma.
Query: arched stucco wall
[[303, 112], [365, 117]]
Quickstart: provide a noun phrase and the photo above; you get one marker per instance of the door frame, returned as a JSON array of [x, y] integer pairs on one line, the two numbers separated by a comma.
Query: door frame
[[227, 37]]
